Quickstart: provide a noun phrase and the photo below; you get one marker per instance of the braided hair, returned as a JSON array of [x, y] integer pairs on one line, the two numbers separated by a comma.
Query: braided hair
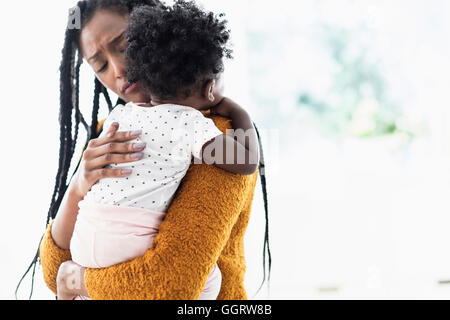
[[69, 103], [71, 62]]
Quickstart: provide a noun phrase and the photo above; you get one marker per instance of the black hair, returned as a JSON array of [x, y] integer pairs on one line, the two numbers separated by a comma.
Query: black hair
[[69, 108], [266, 248], [69, 102], [172, 49]]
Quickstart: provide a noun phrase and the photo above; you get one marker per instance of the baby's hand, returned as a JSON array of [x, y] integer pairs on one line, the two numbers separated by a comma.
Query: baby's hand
[[226, 108]]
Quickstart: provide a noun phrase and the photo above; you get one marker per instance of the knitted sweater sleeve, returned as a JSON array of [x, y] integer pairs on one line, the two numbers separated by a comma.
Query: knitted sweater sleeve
[[193, 235], [51, 257]]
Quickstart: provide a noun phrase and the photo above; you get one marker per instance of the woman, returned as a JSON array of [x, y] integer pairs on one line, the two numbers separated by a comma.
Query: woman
[[207, 220]]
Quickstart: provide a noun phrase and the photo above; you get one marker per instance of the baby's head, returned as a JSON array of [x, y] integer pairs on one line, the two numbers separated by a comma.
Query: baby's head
[[176, 53]]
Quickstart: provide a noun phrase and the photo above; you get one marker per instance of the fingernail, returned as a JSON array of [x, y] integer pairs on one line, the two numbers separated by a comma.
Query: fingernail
[[139, 145], [126, 171], [136, 133], [137, 155]]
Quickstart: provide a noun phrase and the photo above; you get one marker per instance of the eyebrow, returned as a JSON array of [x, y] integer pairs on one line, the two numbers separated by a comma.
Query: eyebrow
[[115, 40]]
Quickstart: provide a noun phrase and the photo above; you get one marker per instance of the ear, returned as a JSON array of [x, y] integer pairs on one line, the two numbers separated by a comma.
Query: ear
[[208, 92]]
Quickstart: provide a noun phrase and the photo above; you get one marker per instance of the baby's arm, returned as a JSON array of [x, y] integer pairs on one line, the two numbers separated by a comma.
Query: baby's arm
[[237, 153]]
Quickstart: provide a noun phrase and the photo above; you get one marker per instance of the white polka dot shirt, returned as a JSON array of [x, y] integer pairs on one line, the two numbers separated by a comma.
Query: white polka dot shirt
[[174, 134]]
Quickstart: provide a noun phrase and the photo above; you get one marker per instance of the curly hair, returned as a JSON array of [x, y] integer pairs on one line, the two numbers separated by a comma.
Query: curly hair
[[173, 49]]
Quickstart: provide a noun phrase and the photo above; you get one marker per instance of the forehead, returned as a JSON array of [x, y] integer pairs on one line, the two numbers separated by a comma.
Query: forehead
[[100, 30]]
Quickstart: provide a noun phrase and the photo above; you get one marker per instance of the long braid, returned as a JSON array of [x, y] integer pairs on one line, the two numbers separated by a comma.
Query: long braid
[[76, 101], [78, 116], [92, 129], [266, 249], [69, 100], [97, 91], [65, 120], [67, 105]]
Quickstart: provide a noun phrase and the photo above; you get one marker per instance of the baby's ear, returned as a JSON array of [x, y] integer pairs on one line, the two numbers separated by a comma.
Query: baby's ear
[[208, 92]]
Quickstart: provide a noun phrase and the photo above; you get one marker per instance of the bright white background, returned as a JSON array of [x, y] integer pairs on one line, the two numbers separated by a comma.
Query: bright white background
[[350, 217]]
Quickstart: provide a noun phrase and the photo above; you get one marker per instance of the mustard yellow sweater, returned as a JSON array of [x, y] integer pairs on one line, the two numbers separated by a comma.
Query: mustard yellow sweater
[[205, 224]]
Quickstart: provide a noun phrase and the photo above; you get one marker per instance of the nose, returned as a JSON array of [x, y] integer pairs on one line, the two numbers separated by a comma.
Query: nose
[[118, 68]]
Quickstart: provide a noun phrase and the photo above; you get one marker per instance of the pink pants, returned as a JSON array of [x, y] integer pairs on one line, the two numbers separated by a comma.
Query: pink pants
[[106, 235]]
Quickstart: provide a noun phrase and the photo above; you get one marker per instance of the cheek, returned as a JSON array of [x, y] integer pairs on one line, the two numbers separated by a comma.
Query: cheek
[[105, 80], [109, 82]]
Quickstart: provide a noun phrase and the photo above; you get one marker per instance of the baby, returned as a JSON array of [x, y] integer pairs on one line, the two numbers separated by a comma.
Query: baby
[[176, 53]]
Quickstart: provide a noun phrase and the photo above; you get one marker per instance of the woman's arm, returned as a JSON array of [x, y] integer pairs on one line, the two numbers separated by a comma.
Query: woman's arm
[[100, 152], [196, 229], [64, 222], [51, 257]]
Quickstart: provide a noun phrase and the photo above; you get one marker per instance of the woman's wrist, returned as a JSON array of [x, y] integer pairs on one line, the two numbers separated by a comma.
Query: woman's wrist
[[73, 188]]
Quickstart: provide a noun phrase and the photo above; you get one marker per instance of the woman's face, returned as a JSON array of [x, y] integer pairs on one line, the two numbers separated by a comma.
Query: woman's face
[[103, 43]]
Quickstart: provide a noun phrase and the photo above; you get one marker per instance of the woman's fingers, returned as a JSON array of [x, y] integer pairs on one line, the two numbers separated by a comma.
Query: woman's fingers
[[113, 158], [112, 129], [90, 177], [114, 152], [118, 148], [111, 148], [109, 173], [115, 144], [113, 136]]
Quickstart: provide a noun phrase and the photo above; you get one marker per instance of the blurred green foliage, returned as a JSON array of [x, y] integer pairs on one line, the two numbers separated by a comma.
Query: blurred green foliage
[[354, 99], [360, 105]]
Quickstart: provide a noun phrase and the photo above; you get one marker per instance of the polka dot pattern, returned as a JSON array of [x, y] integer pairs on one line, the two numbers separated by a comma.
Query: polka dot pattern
[[174, 134]]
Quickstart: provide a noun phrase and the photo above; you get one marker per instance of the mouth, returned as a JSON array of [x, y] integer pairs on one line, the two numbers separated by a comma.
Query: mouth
[[128, 88]]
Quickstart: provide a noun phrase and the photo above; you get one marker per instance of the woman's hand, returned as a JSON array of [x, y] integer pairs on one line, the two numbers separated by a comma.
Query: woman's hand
[[70, 281], [109, 148]]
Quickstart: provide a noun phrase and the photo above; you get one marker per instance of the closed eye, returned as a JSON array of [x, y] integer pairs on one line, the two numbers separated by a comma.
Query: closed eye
[[103, 68]]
